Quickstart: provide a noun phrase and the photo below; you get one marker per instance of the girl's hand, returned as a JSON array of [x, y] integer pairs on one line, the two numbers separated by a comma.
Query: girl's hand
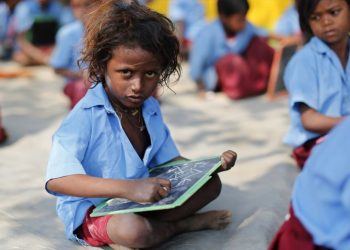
[[149, 190], [228, 160]]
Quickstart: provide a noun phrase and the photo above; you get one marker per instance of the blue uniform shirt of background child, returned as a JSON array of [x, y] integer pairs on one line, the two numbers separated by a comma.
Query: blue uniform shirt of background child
[[91, 141], [68, 47], [321, 195], [212, 44], [4, 20], [315, 76], [288, 24]]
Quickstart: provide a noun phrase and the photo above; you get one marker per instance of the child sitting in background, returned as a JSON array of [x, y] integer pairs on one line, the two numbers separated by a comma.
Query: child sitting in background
[[65, 56], [115, 134], [317, 77], [36, 24], [228, 53], [189, 19], [320, 207]]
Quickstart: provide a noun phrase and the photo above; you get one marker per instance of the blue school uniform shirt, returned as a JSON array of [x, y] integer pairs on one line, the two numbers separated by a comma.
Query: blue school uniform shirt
[[315, 77], [212, 44], [91, 141], [4, 20], [321, 194], [68, 46], [288, 24], [191, 12], [27, 11]]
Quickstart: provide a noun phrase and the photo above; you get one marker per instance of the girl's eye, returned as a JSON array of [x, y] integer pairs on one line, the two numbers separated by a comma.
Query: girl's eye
[[334, 12], [151, 74], [314, 17], [126, 72]]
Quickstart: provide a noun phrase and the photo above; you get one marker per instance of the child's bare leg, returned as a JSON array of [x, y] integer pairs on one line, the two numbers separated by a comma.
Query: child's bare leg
[[136, 231]]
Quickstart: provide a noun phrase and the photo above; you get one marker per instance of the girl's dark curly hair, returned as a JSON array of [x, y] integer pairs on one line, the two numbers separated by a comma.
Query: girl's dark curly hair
[[127, 23], [305, 9]]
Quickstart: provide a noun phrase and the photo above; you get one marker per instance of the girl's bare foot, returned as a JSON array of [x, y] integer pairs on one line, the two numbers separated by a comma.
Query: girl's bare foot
[[208, 220]]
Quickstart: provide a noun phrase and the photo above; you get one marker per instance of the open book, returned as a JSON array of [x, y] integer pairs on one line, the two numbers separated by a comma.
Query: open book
[[186, 177]]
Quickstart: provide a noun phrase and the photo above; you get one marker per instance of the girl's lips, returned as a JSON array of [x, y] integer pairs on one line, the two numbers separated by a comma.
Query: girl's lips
[[330, 33], [135, 99]]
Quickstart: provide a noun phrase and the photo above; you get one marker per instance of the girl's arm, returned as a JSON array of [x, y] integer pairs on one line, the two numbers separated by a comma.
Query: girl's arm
[[140, 190], [316, 122]]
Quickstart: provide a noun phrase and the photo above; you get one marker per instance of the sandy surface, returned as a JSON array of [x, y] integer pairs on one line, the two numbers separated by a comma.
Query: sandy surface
[[257, 189]]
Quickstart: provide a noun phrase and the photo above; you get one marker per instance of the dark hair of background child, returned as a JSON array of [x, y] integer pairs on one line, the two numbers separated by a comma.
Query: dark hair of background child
[[118, 23], [231, 7]]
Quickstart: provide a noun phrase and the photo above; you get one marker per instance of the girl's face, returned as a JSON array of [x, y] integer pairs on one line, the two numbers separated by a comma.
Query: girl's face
[[330, 21], [132, 75]]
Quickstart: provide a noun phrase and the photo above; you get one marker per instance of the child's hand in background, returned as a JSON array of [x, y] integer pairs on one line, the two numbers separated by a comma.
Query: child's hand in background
[[148, 190], [228, 160]]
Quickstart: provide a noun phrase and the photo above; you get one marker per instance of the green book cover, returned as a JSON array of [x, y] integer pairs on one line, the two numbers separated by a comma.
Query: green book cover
[[186, 177]]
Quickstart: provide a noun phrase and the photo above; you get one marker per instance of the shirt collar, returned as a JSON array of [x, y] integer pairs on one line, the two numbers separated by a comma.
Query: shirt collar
[[96, 96], [320, 46]]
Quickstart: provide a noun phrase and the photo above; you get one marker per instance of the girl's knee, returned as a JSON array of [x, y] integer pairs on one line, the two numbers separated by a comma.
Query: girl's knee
[[130, 230], [216, 186]]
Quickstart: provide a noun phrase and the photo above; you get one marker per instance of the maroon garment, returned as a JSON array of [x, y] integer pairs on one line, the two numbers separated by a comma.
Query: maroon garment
[[302, 153], [247, 74], [3, 133], [75, 90], [293, 236]]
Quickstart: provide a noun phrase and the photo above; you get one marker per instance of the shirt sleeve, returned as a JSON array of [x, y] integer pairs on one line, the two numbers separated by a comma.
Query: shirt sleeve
[[301, 81], [200, 54], [62, 53], [68, 147]]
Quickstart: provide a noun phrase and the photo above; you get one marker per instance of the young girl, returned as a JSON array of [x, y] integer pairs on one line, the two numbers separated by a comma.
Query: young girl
[[317, 77], [115, 134]]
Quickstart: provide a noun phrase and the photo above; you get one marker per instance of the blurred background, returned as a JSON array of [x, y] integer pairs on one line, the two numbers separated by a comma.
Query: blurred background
[[257, 13]]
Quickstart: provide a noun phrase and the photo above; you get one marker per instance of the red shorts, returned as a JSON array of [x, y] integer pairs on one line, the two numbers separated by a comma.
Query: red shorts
[[94, 230], [302, 153], [292, 235]]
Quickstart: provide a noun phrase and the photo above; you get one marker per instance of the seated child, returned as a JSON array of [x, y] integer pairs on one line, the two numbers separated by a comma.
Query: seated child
[[116, 133], [7, 35], [317, 75], [320, 206], [189, 19], [65, 56], [228, 53], [35, 30]]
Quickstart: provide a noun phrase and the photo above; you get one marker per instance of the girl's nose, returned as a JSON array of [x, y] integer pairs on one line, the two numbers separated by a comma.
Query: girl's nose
[[136, 84], [327, 20]]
